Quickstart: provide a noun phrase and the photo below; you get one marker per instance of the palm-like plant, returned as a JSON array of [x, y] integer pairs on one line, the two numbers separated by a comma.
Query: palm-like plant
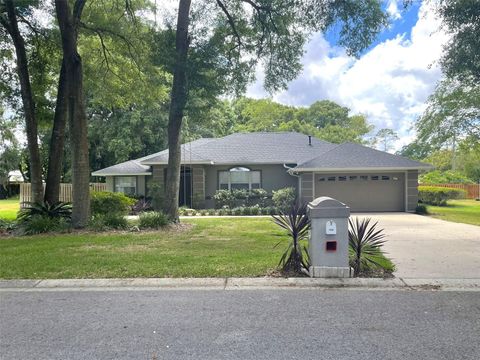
[[58, 210], [295, 259], [365, 242]]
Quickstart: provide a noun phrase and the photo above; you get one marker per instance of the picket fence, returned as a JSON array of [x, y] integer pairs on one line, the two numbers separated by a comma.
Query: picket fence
[[65, 191], [473, 190]]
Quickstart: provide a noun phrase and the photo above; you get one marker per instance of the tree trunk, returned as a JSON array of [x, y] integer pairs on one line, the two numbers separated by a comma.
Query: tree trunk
[[57, 141], [77, 117], [28, 104], [177, 107]]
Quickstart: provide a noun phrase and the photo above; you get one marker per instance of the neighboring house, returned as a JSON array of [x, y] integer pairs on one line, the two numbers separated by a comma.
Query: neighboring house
[[363, 178]]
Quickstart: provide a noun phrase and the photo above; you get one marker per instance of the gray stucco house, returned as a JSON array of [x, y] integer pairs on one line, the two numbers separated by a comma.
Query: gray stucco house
[[363, 178]]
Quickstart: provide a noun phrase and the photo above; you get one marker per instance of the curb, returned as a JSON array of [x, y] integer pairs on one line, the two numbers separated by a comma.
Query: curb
[[265, 283]]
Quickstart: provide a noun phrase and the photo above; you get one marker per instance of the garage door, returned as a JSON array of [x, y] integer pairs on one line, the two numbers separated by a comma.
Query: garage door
[[364, 192]]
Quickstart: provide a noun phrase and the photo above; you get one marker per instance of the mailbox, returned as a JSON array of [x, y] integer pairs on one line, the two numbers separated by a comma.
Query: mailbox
[[328, 242]]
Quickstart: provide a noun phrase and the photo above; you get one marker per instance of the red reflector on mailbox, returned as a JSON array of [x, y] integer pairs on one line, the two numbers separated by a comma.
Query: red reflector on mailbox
[[331, 245]]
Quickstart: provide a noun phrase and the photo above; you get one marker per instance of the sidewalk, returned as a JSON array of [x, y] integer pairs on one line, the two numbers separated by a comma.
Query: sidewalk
[[238, 284]]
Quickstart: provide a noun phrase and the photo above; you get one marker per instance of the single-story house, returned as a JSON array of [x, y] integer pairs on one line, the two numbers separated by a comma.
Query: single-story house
[[363, 178]]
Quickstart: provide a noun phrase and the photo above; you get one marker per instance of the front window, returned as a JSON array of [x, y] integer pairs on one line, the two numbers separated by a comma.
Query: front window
[[239, 178], [126, 184]]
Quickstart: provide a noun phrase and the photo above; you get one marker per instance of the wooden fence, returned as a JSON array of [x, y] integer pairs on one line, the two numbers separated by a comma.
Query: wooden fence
[[473, 190], [65, 191]]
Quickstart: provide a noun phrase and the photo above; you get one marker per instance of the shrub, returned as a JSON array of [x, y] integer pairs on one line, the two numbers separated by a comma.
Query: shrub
[[237, 211], [106, 202], [115, 221], [6, 225], [365, 243], [421, 209], [224, 198], [193, 213], [44, 209], [284, 198], [38, 224], [141, 205], [153, 220], [445, 177], [265, 211], [433, 195], [247, 211], [203, 212], [221, 212], [295, 259], [257, 197], [254, 210]]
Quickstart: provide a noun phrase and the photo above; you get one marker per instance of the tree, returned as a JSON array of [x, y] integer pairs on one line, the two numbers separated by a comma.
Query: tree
[[8, 19], [386, 137], [238, 35], [325, 112], [453, 113], [69, 21], [461, 56]]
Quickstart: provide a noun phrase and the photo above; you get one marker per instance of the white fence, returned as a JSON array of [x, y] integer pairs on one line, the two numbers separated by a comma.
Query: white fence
[[65, 191]]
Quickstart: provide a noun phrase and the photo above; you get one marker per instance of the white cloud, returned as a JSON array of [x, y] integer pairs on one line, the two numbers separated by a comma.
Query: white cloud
[[392, 10], [390, 83]]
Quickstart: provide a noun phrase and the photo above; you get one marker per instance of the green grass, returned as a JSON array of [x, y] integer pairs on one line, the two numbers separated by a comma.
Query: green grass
[[212, 248], [462, 211], [9, 209]]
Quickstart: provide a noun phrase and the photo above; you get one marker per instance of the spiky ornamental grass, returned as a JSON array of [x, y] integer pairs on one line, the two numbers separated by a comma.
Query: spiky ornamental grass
[[295, 259], [365, 243]]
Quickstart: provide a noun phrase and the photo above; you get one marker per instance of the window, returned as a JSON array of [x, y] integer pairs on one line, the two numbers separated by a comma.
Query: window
[[239, 178], [363, 177], [321, 179], [126, 184], [374, 177], [353, 178], [342, 178], [385, 177], [331, 178]]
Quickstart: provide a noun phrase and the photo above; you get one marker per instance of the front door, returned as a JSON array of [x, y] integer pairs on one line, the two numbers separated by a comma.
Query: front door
[[185, 191]]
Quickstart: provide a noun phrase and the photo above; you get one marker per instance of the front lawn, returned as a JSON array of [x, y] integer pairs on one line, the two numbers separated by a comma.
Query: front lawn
[[463, 211], [9, 209], [211, 248]]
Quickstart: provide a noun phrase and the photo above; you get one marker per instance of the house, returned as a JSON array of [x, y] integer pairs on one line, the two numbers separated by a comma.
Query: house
[[363, 178]]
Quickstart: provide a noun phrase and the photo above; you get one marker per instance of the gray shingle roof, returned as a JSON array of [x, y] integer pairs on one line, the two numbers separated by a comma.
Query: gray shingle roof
[[132, 167], [354, 156], [271, 148], [251, 148]]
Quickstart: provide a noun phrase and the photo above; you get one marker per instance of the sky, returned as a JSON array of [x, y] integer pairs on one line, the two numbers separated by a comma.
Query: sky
[[389, 83]]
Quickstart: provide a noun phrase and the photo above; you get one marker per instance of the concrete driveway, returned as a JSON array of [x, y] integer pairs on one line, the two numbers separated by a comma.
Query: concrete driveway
[[424, 247]]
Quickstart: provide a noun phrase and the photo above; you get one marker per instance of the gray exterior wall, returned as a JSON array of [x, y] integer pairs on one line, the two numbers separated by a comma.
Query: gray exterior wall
[[411, 186], [109, 182], [273, 177], [306, 187]]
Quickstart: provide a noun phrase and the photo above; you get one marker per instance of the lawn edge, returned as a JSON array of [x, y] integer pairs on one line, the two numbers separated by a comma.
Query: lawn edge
[[232, 283]]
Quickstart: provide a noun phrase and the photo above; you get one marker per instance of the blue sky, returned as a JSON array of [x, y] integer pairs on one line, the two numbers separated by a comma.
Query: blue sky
[[389, 83]]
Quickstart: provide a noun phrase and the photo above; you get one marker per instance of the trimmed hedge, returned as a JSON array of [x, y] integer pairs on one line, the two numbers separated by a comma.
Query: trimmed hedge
[[106, 202], [434, 195]]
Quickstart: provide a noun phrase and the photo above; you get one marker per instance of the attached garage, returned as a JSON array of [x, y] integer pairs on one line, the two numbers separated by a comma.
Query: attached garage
[[365, 179], [364, 191]]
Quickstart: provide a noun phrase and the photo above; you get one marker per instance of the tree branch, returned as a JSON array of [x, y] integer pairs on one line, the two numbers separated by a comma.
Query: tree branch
[[231, 21]]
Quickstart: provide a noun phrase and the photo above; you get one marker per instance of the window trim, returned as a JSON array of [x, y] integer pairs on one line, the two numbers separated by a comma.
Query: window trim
[[115, 178], [250, 170]]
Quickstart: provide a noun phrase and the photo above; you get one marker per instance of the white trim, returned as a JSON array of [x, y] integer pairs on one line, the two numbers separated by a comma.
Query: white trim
[[121, 174], [201, 162], [406, 191], [369, 169], [313, 186]]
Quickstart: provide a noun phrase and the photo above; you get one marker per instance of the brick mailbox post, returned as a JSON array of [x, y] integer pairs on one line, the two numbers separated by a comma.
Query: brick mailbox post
[[328, 242]]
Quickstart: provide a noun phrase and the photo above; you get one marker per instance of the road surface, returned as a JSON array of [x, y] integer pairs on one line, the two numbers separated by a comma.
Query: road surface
[[240, 324]]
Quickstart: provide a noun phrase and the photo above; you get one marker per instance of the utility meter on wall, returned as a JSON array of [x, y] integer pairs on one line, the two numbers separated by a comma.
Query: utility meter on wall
[[331, 228]]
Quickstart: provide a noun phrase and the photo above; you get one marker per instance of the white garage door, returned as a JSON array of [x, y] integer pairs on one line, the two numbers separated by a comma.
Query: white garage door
[[364, 192]]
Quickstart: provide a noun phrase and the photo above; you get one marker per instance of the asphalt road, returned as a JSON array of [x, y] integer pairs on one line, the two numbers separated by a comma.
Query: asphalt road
[[240, 324]]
